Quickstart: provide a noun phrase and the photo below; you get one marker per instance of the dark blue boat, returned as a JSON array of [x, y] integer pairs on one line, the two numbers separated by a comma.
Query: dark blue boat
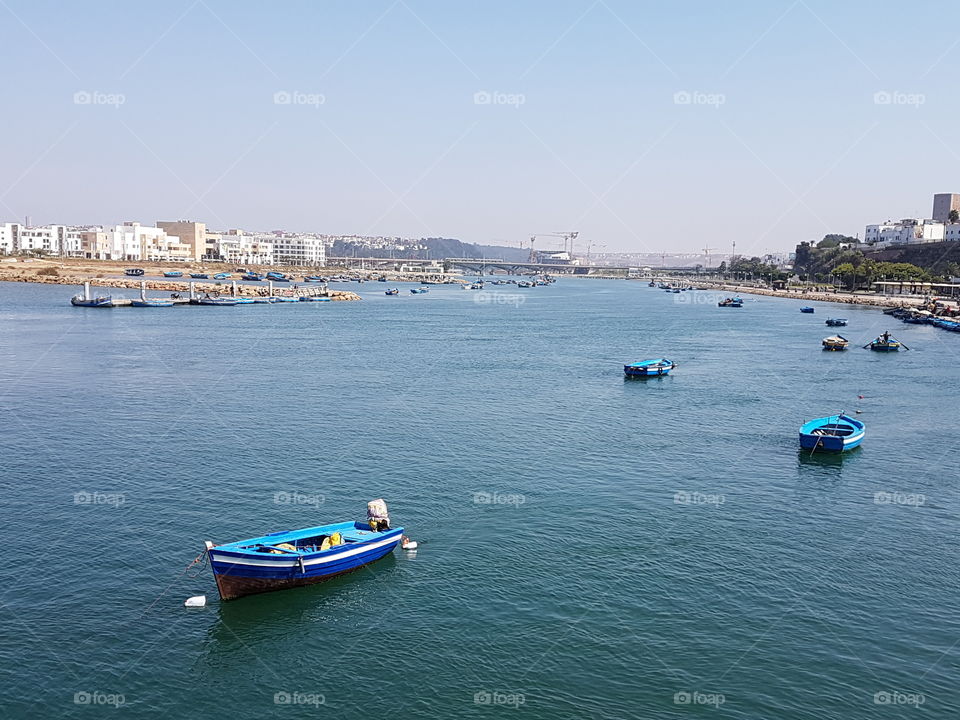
[[199, 276], [392, 291], [173, 274], [251, 277], [646, 368], [152, 302], [294, 558], [807, 309], [133, 272], [103, 301], [835, 433], [734, 302], [217, 301], [836, 322]]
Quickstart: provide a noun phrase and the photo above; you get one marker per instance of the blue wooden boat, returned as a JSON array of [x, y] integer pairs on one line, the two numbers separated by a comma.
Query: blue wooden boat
[[199, 276], [314, 278], [731, 302], [836, 322], [251, 277], [102, 301], [646, 368], [835, 433], [314, 299], [173, 273], [807, 309], [244, 300], [392, 291], [294, 558], [133, 272], [886, 343], [217, 301], [152, 302], [419, 291], [221, 276], [284, 298]]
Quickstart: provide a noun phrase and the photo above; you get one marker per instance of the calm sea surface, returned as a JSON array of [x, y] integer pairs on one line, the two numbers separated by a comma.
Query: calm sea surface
[[589, 546]]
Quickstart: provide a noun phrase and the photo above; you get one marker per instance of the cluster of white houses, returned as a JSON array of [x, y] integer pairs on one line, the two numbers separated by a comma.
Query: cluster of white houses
[[167, 241], [943, 226]]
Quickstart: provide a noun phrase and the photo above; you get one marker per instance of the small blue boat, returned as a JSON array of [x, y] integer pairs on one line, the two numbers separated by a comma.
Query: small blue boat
[[886, 343], [103, 301], [835, 433], [836, 322], [217, 301], [244, 300], [646, 368], [807, 309], [283, 298], [173, 273], [152, 302], [419, 291], [251, 277], [294, 558], [731, 302], [314, 278], [392, 291], [199, 276], [314, 299], [221, 276]]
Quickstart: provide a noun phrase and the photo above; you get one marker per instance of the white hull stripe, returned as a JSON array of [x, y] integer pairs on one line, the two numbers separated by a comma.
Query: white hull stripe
[[227, 559]]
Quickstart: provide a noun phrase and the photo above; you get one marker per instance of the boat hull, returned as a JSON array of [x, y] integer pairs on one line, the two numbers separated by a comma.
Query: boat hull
[[238, 575], [811, 439]]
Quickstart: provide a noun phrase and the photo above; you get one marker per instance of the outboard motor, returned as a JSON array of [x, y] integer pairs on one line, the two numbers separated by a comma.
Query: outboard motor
[[377, 515]]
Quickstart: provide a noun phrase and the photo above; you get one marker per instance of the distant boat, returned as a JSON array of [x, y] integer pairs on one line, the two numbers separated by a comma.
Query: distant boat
[[945, 324], [133, 272], [314, 278], [886, 343], [199, 276], [314, 299], [173, 273], [731, 302], [651, 284], [835, 342], [392, 291], [152, 302], [102, 301], [520, 284], [284, 298], [221, 276], [836, 322], [419, 291], [644, 368], [244, 300], [807, 309], [218, 301], [295, 558], [251, 276], [835, 433]]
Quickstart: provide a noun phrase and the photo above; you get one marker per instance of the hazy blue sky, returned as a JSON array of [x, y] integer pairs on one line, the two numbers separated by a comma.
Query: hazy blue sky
[[783, 138]]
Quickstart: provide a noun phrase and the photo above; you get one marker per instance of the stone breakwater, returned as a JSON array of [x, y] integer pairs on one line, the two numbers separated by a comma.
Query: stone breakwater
[[844, 298], [177, 286]]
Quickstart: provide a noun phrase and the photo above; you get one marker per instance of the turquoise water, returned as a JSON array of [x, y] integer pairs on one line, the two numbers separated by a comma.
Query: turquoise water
[[590, 546]]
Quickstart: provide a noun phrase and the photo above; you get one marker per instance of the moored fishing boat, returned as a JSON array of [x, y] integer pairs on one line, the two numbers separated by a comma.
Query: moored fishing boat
[[133, 272], [101, 301], [835, 433], [294, 558], [221, 276], [253, 277], [199, 276], [835, 342], [392, 291], [886, 343], [731, 302], [807, 309], [152, 302], [645, 368], [284, 298], [173, 274], [836, 322], [314, 298], [216, 301], [419, 291]]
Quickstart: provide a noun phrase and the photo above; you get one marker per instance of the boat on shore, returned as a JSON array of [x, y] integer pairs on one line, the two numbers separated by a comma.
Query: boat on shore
[[835, 342], [133, 272], [731, 302], [836, 322], [835, 433], [152, 302], [173, 274], [886, 343], [221, 276], [251, 277], [295, 558], [199, 276], [647, 368]]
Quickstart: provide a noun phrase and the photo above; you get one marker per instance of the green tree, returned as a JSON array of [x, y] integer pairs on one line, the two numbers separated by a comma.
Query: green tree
[[954, 216]]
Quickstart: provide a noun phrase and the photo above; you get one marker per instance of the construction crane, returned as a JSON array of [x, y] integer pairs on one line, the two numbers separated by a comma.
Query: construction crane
[[568, 238], [707, 251]]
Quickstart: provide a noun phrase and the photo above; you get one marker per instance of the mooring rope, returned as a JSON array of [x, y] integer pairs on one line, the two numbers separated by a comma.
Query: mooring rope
[[199, 558]]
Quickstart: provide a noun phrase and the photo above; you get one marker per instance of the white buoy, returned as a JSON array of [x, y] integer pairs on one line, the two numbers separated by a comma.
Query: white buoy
[[196, 601], [408, 544]]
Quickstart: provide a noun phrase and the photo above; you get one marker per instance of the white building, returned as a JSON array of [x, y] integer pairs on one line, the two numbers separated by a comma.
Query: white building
[[55, 240], [299, 250], [908, 231], [240, 248]]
